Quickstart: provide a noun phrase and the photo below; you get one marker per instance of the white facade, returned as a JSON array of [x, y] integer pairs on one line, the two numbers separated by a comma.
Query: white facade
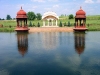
[[50, 19]]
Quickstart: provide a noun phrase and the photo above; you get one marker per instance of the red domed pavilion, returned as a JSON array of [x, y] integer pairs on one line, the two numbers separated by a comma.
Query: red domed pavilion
[[80, 20], [21, 21]]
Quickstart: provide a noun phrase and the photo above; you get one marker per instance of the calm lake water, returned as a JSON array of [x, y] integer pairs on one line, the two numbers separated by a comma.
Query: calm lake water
[[50, 53]]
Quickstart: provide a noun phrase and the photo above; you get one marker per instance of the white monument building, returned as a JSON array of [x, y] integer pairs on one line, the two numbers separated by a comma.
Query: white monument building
[[50, 19]]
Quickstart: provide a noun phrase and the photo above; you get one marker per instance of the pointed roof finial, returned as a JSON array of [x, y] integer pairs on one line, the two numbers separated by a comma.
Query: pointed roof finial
[[80, 7], [21, 7]]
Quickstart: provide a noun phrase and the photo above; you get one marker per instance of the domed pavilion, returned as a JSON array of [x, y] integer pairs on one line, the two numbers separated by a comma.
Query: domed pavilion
[[80, 20], [21, 19], [50, 19]]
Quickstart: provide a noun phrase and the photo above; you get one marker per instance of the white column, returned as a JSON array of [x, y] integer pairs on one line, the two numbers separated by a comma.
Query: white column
[[48, 22], [52, 22], [56, 22], [43, 23]]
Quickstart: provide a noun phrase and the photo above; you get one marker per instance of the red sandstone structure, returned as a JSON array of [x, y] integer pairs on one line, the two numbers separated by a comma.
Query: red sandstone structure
[[21, 21], [80, 21]]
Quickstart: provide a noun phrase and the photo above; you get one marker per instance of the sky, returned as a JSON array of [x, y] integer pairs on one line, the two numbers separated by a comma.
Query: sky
[[11, 7]]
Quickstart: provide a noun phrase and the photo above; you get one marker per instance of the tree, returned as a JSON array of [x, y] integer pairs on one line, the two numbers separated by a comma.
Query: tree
[[38, 24], [99, 18], [60, 25], [31, 15], [8, 17], [3, 19], [30, 24], [38, 16], [14, 18], [71, 16], [65, 24], [69, 23], [33, 25]]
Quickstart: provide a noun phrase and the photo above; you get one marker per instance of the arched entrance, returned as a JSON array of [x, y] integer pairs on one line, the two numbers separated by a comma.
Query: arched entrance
[[50, 19]]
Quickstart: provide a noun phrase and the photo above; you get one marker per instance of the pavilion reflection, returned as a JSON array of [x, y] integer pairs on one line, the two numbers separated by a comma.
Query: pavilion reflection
[[50, 40], [79, 42], [22, 42]]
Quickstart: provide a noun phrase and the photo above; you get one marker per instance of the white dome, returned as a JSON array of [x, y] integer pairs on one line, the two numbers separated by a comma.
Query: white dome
[[50, 14]]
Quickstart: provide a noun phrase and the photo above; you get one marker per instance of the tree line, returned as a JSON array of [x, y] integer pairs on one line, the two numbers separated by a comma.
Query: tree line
[[32, 16]]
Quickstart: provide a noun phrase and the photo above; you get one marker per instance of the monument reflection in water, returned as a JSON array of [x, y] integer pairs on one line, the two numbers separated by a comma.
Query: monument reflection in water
[[79, 42], [50, 53], [22, 40]]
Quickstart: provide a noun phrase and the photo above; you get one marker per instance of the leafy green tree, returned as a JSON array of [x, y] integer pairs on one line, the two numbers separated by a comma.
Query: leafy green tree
[[0, 18], [38, 16], [60, 25], [99, 18], [3, 19], [30, 24], [31, 15], [38, 24], [65, 24], [71, 16], [33, 25], [8, 17], [14, 18], [69, 23]]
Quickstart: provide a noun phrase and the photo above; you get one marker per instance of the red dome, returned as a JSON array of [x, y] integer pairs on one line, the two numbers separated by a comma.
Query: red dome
[[80, 12], [21, 12]]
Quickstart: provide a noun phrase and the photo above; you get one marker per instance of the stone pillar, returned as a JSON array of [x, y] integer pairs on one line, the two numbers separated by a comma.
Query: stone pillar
[[48, 22], [43, 22], [56, 22], [26, 22], [80, 22], [52, 22], [83, 22], [18, 23]]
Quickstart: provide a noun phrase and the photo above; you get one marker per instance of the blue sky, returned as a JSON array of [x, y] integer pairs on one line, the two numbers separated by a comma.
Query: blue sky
[[11, 7]]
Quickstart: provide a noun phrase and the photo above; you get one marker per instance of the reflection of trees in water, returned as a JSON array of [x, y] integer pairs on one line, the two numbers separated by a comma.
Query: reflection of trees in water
[[79, 42], [50, 40], [22, 40]]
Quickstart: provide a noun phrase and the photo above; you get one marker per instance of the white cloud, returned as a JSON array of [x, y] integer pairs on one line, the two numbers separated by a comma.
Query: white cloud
[[52, 8], [42, 1], [34, 7], [55, 6], [89, 1], [38, 1], [53, 0], [98, 1]]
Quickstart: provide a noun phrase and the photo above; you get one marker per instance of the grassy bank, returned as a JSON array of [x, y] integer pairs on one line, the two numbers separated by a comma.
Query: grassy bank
[[7, 29], [92, 23]]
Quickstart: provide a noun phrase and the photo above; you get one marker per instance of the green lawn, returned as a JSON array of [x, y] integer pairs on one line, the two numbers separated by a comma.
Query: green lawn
[[92, 21]]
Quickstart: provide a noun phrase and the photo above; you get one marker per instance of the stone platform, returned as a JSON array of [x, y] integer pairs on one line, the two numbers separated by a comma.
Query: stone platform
[[81, 29], [22, 29], [51, 29]]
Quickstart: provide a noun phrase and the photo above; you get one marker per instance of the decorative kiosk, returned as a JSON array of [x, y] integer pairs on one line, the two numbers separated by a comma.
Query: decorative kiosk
[[21, 19], [50, 19], [80, 21]]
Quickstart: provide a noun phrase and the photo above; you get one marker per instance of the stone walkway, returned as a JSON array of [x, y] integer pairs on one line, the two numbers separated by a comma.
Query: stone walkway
[[51, 29]]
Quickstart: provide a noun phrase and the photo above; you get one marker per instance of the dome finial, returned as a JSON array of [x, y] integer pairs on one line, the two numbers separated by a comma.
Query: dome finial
[[21, 7], [80, 7]]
